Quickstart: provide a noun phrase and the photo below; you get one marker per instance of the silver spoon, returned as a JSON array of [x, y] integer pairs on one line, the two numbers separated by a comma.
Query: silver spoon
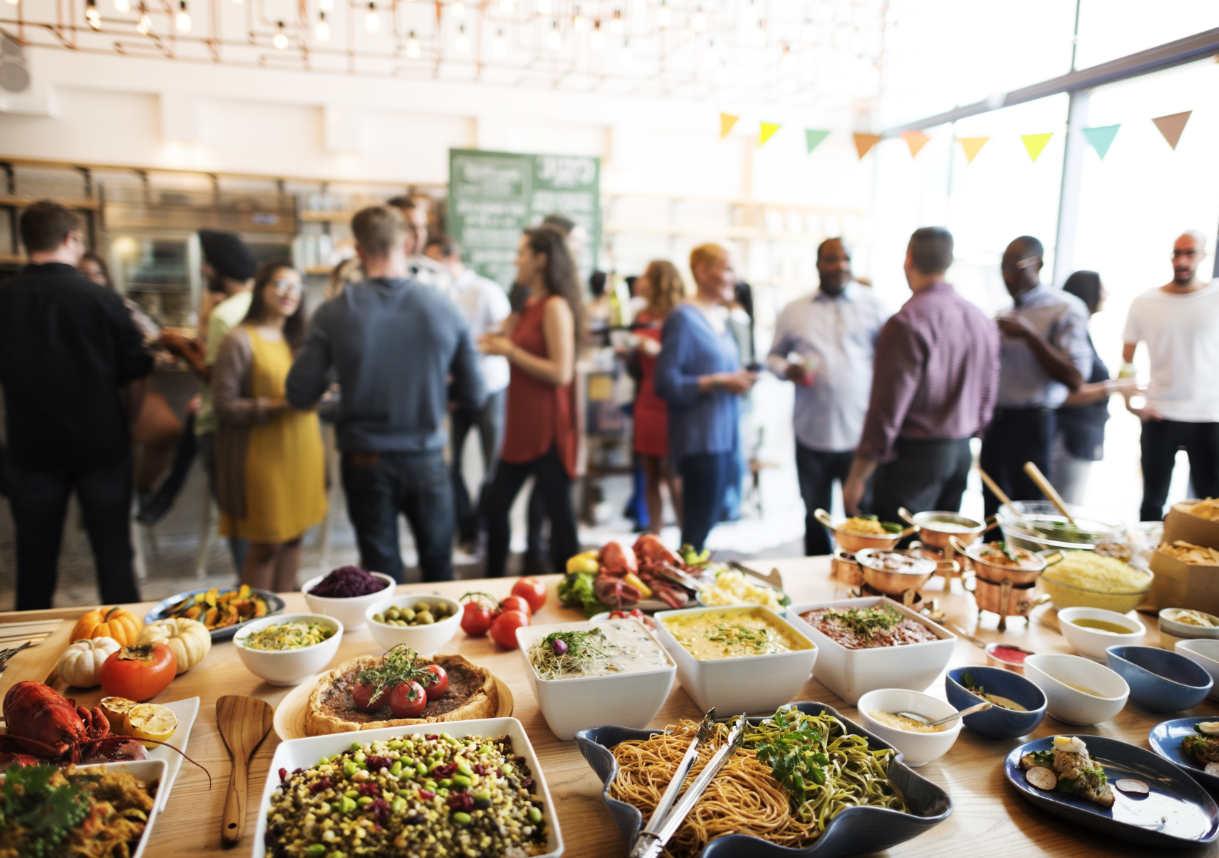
[[980, 707]]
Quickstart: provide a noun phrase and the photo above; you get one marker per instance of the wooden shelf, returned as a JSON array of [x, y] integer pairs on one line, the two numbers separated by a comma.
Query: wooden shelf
[[318, 269], [324, 216], [747, 233], [22, 202]]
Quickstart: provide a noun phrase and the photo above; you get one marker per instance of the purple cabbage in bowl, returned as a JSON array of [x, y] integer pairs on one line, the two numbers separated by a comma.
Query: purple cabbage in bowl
[[348, 582]]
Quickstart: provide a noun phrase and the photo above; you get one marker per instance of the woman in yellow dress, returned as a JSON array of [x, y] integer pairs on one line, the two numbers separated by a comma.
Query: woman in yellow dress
[[270, 471]]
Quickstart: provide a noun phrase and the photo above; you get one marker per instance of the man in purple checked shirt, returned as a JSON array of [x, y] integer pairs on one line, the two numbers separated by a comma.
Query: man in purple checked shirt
[[934, 386]]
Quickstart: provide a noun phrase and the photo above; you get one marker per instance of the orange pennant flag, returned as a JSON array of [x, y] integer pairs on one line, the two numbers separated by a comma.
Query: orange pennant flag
[[865, 142], [727, 120], [972, 146], [916, 140], [1172, 126]]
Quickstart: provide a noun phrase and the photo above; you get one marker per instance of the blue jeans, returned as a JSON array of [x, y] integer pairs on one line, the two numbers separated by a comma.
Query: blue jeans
[[40, 504], [489, 421], [379, 487], [705, 480]]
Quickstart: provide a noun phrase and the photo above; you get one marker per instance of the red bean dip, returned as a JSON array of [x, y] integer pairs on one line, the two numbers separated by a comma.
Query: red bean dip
[[868, 628]]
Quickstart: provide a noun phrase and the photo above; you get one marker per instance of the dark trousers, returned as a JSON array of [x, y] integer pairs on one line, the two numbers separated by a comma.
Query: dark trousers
[[382, 486], [1160, 442], [817, 472], [705, 479], [553, 485], [1016, 436], [535, 522], [489, 421], [926, 475], [206, 448], [40, 504]]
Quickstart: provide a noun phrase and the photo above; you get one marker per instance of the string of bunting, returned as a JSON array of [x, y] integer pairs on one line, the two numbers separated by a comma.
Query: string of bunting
[[1100, 138]]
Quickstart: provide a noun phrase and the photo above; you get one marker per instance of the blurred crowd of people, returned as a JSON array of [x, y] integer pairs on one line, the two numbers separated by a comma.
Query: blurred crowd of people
[[413, 351]]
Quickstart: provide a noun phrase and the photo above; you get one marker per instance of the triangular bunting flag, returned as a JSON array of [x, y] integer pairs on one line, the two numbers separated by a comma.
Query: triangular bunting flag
[[1034, 143], [916, 140], [814, 138], [1172, 125], [972, 146], [1101, 138], [767, 131], [864, 143], [727, 120]]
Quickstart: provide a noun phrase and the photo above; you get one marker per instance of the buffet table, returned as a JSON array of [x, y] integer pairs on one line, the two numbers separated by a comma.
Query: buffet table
[[988, 816]]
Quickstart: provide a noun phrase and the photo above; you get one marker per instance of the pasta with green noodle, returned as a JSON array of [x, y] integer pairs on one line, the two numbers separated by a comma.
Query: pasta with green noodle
[[792, 776]]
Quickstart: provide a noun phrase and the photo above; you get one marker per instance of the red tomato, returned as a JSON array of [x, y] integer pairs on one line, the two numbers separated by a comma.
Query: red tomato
[[407, 700], [516, 603], [440, 686], [503, 630], [617, 615], [362, 694], [139, 672], [532, 591], [475, 619]]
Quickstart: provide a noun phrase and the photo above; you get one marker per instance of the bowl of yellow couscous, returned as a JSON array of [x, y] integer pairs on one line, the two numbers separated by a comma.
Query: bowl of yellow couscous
[[1085, 579]]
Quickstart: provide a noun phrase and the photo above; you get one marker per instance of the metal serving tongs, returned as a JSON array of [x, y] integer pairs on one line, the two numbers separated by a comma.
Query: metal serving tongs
[[662, 826]]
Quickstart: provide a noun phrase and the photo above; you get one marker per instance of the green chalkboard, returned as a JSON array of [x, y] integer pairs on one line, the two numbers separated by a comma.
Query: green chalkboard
[[494, 195]]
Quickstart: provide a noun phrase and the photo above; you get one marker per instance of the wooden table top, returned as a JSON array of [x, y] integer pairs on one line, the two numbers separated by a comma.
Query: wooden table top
[[987, 812]]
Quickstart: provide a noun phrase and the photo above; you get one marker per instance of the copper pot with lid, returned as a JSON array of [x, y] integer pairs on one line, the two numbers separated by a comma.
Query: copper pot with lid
[[895, 572]]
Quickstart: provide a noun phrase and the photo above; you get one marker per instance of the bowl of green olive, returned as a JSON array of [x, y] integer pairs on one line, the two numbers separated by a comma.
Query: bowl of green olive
[[424, 623]]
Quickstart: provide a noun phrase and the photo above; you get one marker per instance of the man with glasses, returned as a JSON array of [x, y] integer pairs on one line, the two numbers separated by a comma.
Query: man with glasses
[[1044, 355], [1180, 324]]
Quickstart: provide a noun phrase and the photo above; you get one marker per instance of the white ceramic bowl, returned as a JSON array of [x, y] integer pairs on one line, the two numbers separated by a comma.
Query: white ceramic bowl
[[305, 753], [917, 749], [289, 666], [1205, 653], [425, 640], [350, 611], [757, 684], [1174, 632], [623, 699], [851, 673], [1092, 643], [1056, 673]]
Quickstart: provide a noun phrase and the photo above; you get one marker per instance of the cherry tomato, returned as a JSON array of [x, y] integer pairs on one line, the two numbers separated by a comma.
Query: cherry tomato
[[362, 694], [516, 603], [440, 686], [503, 630], [139, 672], [475, 619], [407, 700], [532, 591], [617, 615]]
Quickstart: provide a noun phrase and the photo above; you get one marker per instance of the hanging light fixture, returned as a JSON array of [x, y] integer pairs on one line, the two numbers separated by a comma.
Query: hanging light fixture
[[123, 6], [809, 33], [625, 57], [759, 36], [500, 45], [13, 2], [326, 5], [462, 42], [183, 17], [322, 30], [280, 39], [412, 46], [458, 9], [789, 59], [506, 5], [664, 15], [93, 16], [372, 20], [699, 22], [596, 41], [711, 57], [554, 39], [144, 26], [641, 4], [543, 7], [616, 23], [580, 23]]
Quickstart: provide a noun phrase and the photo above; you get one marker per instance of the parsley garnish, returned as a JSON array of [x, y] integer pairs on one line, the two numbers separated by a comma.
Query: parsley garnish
[[866, 622], [44, 814]]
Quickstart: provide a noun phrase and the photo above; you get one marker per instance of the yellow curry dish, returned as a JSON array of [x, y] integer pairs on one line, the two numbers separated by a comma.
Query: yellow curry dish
[[733, 633]]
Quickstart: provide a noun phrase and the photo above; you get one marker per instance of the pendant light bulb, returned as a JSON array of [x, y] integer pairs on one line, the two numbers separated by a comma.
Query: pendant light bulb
[[458, 9], [506, 5], [326, 5], [13, 2], [144, 26], [809, 34], [625, 57], [553, 39], [543, 7], [322, 30], [616, 23], [463, 41], [664, 15], [372, 20], [93, 16], [759, 37], [280, 39], [122, 6], [412, 46], [580, 23], [596, 41], [699, 22], [500, 45], [641, 4], [183, 18]]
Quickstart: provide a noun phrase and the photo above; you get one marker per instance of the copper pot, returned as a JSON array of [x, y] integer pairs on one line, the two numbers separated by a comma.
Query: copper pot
[[924, 523], [859, 541], [991, 597], [910, 576], [845, 569], [995, 573]]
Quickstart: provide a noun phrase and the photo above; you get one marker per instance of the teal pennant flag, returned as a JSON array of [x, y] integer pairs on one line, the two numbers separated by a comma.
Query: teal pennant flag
[[1101, 138], [814, 138]]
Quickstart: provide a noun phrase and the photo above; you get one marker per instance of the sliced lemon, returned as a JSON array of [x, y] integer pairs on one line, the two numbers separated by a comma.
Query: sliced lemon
[[116, 709], [151, 721]]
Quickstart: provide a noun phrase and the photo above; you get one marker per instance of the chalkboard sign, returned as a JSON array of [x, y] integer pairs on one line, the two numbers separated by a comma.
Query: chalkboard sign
[[494, 195]]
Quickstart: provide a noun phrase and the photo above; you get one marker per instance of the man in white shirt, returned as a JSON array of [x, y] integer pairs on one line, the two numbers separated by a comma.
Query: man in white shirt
[[422, 267], [485, 306], [825, 342], [1180, 324]]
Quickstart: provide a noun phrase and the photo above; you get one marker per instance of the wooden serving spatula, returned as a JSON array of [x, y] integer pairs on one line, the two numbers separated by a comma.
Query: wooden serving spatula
[[244, 722]]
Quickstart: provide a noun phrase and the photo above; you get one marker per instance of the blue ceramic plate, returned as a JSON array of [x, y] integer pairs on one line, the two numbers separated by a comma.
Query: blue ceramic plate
[[1177, 814], [1165, 740], [274, 606], [855, 831]]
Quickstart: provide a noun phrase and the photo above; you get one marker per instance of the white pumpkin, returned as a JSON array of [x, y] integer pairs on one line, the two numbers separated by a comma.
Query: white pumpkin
[[188, 639], [81, 663]]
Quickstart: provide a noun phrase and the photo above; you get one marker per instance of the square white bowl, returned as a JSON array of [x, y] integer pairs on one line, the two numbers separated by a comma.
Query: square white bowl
[[756, 684], [852, 673], [288, 666], [350, 610], [624, 699], [305, 753]]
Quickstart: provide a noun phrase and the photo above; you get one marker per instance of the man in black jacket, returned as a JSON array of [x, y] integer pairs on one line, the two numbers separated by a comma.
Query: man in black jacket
[[74, 371]]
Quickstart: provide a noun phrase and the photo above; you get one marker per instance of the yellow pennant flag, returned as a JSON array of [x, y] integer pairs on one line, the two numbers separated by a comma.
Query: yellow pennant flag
[[864, 143], [916, 140], [727, 120], [767, 131], [972, 146], [1034, 143]]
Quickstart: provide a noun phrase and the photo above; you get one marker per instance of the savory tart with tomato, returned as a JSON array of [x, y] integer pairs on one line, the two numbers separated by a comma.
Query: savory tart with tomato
[[397, 689]]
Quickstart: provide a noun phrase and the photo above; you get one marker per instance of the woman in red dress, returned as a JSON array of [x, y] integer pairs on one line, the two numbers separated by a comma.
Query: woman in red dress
[[540, 426], [662, 287]]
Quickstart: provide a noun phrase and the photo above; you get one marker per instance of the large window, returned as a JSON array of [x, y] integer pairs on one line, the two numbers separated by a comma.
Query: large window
[[1109, 29]]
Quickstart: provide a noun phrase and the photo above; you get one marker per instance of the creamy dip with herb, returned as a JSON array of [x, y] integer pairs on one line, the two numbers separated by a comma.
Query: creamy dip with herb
[[732, 633], [607, 648]]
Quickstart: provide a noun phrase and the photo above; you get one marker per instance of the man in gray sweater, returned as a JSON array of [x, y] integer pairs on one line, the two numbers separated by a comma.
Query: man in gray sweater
[[399, 348]]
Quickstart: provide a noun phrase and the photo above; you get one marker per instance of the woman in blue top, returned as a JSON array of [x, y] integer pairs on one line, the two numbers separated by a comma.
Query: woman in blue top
[[699, 374]]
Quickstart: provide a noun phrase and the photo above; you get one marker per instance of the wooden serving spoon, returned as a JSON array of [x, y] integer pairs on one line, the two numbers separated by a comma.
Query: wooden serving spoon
[[1050, 492], [244, 722], [999, 493]]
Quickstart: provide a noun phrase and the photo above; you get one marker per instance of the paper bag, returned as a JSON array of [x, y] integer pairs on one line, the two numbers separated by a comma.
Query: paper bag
[[1179, 524], [1181, 585]]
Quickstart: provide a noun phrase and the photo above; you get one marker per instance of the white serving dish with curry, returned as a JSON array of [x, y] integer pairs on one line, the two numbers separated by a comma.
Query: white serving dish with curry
[[740, 659]]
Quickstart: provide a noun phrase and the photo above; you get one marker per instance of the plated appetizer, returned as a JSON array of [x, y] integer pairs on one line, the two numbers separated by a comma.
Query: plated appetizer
[[612, 648], [1068, 768], [868, 628], [1203, 746], [422, 795]]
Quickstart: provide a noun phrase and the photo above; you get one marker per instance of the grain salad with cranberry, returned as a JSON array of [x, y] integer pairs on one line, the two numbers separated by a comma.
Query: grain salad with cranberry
[[423, 796]]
